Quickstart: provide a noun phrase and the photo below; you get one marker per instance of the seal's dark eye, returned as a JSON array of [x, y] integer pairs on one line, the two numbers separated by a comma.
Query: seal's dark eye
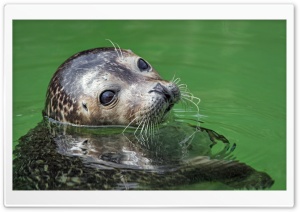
[[143, 65], [107, 97]]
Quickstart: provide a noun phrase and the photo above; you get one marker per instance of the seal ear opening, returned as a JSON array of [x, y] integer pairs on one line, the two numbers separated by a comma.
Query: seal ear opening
[[85, 107]]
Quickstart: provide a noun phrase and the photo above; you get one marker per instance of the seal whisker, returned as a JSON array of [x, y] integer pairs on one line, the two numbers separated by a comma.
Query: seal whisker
[[157, 125], [184, 102], [173, 79], [114, 47], [146, 130], [150, 130], [129, 124], [147, 126], [177, 80], [138, 127], [191, 97], [143, 136], [182, 86], [120, 51], [186, 93], [192, 103], [143, 126], [188, 97]]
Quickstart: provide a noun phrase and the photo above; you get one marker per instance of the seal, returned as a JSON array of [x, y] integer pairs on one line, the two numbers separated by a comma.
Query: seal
[[109, 86]]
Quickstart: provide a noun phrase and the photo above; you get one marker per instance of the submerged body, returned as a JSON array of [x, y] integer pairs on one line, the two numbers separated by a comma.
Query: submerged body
[[105, 86], [63, 157]]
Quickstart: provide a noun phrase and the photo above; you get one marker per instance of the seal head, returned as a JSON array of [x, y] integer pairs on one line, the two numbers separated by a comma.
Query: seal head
[[103, 86]]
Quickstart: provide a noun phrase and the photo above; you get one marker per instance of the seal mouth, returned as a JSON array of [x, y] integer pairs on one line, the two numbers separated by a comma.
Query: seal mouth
[[167, 95], [168, 108], [167, 99]]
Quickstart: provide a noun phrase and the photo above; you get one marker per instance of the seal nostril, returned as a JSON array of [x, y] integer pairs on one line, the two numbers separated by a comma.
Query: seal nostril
[[168, 96]]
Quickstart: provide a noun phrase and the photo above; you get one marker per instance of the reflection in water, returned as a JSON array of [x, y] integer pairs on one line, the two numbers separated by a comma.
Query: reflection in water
[[63, 157]]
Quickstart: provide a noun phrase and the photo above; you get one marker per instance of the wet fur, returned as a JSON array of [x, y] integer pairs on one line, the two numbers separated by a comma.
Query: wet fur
[[73, 93]]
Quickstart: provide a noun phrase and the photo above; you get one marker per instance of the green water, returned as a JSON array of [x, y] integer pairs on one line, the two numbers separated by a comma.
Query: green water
[[236, 68]]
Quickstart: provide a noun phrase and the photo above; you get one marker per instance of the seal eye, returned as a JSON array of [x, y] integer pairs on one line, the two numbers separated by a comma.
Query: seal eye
[[143, 65], [107, 97]]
